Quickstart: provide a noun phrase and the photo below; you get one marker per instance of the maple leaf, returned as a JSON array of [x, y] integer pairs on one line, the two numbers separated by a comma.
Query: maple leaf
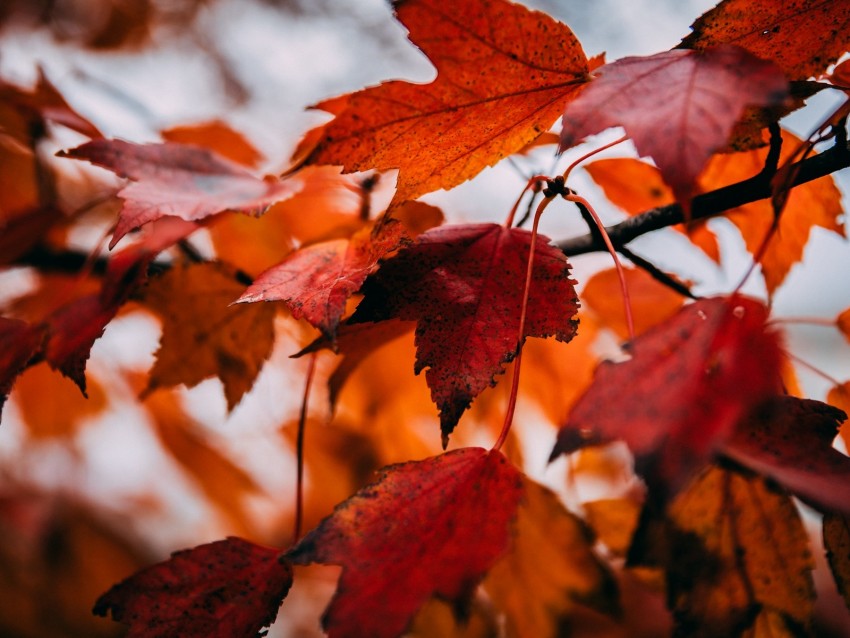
[[816, 203], [736, 546], [19, 343], [317, 281], [503, 74], [179, 180], [202, 335], [652, 303], [461, 284], [797, 35], [678, 107], [686, 385], [75, 326], [227, 589], [790, 440], [637, 187], [426, 527], [550, 567]]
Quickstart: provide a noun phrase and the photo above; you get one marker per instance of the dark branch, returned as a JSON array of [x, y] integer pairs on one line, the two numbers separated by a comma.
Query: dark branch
[[709, 204]]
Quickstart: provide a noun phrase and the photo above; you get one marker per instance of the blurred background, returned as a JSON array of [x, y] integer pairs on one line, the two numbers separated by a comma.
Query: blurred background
[[92, 490]]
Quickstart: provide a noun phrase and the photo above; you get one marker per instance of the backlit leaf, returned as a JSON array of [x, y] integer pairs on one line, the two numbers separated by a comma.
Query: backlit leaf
[[550, 566], [686, 385], [678, 107], [317, 281], [816, 203], [179, 180], [428, 527], [202, 335], [503, 75], [226, 589], [652, 303], [462, 284], [614, 521], [327, 207], [803, 38], [790, 441], [555, 374], [216, 136], [637, 187], [738, 546]]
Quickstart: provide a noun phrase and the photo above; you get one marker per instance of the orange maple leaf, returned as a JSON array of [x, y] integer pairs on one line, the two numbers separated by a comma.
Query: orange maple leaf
[[503, 75], [794, 34]]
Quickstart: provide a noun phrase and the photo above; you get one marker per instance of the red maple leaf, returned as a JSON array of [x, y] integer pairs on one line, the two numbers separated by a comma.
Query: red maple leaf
[[19, 342], [75, 326], [463, 286], [678, 107], [790, 441], [427, 527], [179, 180], [227, 589], [686, 385], [317, 281]]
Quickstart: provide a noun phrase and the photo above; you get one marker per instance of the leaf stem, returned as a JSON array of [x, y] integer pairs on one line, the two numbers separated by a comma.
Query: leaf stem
[[529, 271], [817, 371], [627, 302], [533, 183], [566, 173], [299, 450], [809, 321]]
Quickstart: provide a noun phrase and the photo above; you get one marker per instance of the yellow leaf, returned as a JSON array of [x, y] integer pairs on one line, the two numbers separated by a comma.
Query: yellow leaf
[[614, 521], [549, 568], [738, 545], [503, 75]]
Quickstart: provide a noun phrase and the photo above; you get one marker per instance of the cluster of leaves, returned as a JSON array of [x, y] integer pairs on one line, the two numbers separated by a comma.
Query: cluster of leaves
[[703, 397]]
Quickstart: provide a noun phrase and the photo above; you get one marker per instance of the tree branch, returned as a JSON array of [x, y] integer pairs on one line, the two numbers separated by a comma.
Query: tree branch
[[710, 204]]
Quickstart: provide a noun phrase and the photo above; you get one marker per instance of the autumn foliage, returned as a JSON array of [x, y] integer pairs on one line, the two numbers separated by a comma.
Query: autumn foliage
[[421, 369]]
